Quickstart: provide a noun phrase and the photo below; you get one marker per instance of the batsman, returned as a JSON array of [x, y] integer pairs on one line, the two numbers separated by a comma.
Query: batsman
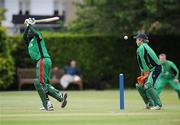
[[38, 52], [151, 69]]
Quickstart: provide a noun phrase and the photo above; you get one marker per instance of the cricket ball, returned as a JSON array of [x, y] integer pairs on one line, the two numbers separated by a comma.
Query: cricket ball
[[125, 37]]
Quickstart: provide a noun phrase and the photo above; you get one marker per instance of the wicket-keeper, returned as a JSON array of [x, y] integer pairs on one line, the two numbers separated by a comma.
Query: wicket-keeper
[[151, 69]]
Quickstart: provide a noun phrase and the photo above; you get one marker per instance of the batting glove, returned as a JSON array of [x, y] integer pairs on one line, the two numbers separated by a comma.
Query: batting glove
[[26, 22], [32, 21]]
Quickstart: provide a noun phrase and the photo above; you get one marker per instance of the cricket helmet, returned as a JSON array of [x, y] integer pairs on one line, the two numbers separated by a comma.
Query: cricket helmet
[[142, 36]]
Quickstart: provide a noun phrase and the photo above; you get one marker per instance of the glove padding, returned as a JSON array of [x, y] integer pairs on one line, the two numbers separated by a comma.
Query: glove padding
[[142, 79], [30, 21]]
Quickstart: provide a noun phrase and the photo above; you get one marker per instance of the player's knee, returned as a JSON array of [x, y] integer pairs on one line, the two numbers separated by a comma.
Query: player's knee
[[36, 84]]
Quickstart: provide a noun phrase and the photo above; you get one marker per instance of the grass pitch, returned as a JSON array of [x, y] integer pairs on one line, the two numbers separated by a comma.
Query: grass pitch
[[87, 108]]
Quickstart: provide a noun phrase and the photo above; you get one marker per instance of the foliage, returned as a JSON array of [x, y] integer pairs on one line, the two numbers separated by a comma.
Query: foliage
[[6, 71], [6, 61], [1, 14], [119, 17], [101, 57], [163, 16]]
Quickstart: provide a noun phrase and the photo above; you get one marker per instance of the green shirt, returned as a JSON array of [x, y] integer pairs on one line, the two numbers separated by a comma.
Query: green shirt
[[170, 70], [37, 48], [147, 58]]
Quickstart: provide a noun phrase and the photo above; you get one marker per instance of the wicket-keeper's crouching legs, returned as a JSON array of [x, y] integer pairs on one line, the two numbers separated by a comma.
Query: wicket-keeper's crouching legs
[[148, 101], [149, 87]]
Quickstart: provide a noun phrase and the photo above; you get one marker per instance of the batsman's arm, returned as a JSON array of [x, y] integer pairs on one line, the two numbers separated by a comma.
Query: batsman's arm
[[25, 33], [25, 36], [33, 30]]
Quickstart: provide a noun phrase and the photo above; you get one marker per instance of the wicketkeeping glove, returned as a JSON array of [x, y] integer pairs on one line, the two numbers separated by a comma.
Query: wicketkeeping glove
[[142, 79]]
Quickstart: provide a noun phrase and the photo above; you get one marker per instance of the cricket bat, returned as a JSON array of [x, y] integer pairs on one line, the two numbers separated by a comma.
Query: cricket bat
[[47, 20]]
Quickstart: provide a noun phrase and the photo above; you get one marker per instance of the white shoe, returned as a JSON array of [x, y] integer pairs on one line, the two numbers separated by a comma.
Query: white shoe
[[156, 108], [49, 107]]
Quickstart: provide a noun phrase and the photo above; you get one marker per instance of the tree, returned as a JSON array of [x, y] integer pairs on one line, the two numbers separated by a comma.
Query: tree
[[119, 17], [1, 14], [6, 61], [164, 15]]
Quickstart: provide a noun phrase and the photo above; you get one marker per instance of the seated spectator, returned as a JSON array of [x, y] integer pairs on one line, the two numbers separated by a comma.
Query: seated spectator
[[72, 76], [57, 74]]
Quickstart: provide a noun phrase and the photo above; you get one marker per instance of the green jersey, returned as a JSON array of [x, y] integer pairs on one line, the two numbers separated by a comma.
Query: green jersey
[[36, 45], [37, 48], [170, 70], [147, 58]]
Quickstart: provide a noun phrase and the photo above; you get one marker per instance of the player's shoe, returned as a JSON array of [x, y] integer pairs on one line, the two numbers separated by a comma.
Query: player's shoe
[[49, 107], [147, 107], [155, 108], [64, 101]]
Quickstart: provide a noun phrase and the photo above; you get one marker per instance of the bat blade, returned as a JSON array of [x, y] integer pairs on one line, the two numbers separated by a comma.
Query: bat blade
[[47, 20]]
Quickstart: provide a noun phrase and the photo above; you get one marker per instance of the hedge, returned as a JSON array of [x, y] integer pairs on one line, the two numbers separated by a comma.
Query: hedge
[[100, 58], [6, 61]]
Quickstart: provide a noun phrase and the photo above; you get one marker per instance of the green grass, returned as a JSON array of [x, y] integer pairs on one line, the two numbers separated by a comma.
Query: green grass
[[87, 108]]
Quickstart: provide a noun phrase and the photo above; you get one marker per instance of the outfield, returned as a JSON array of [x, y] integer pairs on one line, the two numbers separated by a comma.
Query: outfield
[[87, 108]]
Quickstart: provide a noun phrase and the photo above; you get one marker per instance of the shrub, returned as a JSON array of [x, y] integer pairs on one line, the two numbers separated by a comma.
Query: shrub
[[6, 61], [101, 58]]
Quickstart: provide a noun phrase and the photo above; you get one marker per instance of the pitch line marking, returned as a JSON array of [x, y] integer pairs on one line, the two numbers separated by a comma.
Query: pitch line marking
[[78, 114]]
